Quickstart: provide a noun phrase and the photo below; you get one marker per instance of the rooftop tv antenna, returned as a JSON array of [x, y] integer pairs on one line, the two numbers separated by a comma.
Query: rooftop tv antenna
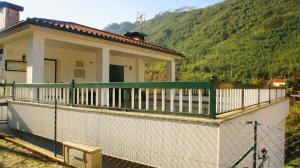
[[141, 18]]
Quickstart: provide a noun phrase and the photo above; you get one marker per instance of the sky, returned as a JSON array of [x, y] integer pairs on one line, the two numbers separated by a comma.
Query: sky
[[100, 13]]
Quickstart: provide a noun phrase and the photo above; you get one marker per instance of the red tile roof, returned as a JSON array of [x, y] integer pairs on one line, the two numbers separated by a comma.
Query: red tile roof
[[279, 80], [88, 31]]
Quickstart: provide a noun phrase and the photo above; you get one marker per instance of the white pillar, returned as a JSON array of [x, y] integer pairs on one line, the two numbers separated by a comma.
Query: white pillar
[[102, 65], [170, 78], [171, 71], [102, 72], [35, 59], [140, 70]]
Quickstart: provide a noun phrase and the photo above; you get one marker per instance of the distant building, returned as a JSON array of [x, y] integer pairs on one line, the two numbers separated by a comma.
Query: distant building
[[279, 82]]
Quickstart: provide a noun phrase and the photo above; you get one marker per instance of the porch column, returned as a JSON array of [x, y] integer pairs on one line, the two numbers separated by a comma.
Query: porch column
[[35, 59], [171, 71], [102, 65], [102, 73], [170, 78], [140, 70]]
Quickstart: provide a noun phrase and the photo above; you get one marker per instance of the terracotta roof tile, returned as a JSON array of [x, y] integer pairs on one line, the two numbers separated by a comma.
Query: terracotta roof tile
[[279, 80], [85, 30]]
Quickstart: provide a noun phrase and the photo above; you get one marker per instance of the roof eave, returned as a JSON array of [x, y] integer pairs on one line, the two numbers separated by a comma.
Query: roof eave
[[28, 21], [12, 28]]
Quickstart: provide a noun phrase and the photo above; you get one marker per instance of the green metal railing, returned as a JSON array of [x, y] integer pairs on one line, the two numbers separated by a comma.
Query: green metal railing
[[205, 98]]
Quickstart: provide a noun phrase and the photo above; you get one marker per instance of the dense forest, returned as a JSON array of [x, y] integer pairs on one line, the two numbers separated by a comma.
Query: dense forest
[[235, 40]]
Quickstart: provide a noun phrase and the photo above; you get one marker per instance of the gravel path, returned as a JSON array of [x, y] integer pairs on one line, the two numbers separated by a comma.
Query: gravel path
[[13, 156]]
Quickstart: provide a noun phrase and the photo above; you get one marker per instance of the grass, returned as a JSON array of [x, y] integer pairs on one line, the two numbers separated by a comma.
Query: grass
[[293, 136], [13, 156], [293, 163]]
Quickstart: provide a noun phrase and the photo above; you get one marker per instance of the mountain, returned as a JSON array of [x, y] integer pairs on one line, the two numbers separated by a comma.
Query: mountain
[[235, 40], [121, 28]]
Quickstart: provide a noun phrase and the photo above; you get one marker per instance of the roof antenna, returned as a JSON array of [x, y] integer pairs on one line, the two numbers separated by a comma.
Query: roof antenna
[[141, 18]]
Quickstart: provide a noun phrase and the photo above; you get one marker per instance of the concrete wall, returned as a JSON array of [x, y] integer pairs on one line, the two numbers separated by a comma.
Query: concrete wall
[[156, 142], [66, 62], [66, 59], [160, 141], [14, 51], [236, 137], [3, 113]]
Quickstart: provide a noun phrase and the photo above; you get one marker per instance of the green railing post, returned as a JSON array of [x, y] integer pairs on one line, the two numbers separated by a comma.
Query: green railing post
[[212, 100], [254, 147], [255, 144], [13, 90], [71, 93], [243, 99], [38, 94]]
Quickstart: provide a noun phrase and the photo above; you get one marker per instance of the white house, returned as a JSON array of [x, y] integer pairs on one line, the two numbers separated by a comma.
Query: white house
[[162, 124], [39, 50], [279, 82]]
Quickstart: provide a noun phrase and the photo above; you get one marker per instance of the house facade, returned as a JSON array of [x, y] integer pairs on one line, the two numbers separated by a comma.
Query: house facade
[[39, 50]]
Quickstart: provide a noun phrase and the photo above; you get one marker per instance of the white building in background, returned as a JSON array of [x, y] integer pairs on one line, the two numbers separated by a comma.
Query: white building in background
[[279, 82], [40, 50]]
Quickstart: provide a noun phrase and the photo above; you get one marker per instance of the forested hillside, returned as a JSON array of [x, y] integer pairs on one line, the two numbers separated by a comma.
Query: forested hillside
[[238, 40]]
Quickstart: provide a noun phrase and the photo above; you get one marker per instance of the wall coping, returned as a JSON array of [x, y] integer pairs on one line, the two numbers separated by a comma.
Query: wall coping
[[220, 118]]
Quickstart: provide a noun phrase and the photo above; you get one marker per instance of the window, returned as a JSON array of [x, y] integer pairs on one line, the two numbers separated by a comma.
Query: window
[[79, 64], [79, 73]]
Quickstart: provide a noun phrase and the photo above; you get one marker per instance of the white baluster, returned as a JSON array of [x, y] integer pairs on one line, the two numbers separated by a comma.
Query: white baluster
[[180, 100], [87, 96], [120, 99], [92, 96], [190, 101], [172, 92], [56, 93], [82, 96], [102, 97], [147, 99], [132, 98], [97, 96], [140, 98], [163, 100], [155, 99], [200, 101], [113, 97], [107, 97], [68, 98]]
